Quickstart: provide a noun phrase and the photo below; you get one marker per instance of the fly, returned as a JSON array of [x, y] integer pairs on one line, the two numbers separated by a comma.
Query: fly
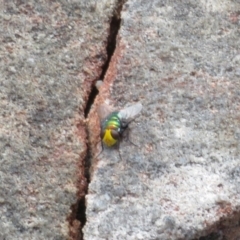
[[114, 123]]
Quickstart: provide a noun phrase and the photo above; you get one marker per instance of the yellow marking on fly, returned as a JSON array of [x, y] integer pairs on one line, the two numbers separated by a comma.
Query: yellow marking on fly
[[108, 139]]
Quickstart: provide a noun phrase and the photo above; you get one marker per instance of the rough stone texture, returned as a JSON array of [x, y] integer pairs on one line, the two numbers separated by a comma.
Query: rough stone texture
[[181, 59], [50, 54]]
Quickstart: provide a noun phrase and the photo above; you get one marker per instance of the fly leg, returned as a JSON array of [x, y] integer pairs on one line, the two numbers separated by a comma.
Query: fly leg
[[124, 161], [100, 150], [118, 149]]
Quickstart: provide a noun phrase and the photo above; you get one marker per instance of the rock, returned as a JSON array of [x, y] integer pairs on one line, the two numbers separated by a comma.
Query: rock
[[51, 54], [180, 60]]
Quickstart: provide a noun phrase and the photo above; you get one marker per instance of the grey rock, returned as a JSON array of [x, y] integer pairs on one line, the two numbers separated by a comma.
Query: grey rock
[[180, 60], [51, 53]]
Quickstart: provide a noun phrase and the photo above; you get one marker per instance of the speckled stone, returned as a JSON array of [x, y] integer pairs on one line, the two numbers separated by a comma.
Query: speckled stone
[[181, 60], [50, 54]]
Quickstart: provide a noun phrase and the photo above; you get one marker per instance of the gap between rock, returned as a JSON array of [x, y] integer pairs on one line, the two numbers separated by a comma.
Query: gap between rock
[[79, 209], [111, 45]]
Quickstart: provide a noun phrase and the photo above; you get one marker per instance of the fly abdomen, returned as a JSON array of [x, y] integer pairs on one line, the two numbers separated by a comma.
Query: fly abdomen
[[111, 129]]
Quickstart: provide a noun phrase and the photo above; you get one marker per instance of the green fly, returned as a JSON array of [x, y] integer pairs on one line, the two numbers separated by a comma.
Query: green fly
[[114, 123]]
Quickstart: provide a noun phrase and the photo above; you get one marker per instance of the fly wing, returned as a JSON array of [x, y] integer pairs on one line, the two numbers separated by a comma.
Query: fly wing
[[128, 114], [104, 110]]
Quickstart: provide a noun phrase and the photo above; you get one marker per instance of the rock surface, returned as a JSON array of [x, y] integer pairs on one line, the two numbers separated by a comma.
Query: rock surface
[[51, 53], [181, 59]]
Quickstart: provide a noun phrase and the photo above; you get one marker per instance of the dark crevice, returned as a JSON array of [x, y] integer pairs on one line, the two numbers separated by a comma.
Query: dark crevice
[[91, 98], [81, 211], [80, 206], [111, 45]]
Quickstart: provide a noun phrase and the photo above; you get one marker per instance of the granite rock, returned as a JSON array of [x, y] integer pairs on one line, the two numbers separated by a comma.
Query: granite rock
[[180, 59], [51, 54]]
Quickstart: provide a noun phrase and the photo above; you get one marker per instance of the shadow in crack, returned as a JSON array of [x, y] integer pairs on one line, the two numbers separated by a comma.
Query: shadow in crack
[[111, 45]]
